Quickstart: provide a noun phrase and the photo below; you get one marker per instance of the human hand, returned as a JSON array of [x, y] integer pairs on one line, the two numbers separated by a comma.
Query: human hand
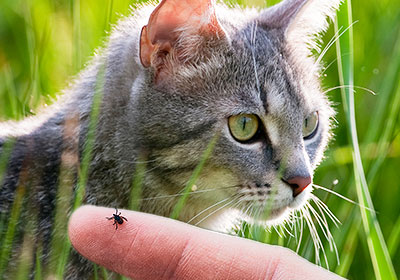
[[153, 247]]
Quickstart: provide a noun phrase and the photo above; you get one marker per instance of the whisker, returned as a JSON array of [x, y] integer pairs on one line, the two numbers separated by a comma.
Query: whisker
[[321, 222], [334, 38], [208, 208], [343, 197], [333, 41], [314, 234], [331, 240], [180, 194], [253, 44], [301, 232], [215, 211], [326, 209], [350, 86]]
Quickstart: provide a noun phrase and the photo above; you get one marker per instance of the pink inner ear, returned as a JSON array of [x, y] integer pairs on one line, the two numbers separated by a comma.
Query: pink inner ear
[[172, 15]]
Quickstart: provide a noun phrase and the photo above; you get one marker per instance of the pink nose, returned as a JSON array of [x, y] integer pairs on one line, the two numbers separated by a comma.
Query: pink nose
[[298, 184]]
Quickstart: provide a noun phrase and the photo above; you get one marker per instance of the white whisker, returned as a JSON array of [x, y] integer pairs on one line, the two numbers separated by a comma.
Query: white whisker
[[181, 193], [215, 211], [351, 87], [343, 197], [301, 233], [326, 209], [332, 41], [208, 208]]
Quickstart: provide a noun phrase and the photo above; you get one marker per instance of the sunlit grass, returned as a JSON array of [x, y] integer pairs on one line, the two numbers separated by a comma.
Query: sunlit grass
[[45, 43], [377, 246]]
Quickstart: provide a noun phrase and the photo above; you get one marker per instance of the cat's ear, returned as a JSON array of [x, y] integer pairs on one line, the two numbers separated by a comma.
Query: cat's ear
[[170, 23], [301, 20]]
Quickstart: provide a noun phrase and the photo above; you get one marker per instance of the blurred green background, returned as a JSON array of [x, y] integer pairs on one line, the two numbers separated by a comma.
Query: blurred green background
[[44, 43]]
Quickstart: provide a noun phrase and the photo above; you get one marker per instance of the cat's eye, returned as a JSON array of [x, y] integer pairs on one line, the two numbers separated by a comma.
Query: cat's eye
[[310, 126], [243, 127]]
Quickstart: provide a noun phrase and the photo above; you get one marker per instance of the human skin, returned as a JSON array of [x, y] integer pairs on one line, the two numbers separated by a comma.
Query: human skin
[[153, 247]]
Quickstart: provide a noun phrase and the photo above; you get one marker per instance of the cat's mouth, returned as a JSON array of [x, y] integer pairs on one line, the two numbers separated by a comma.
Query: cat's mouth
[[269, 202]]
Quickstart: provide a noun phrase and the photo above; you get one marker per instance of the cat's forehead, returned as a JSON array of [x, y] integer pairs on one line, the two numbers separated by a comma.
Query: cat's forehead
[[266, 66]]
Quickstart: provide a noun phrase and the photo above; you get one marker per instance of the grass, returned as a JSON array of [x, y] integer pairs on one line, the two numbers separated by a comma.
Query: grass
[[44, 43], [379, 254]]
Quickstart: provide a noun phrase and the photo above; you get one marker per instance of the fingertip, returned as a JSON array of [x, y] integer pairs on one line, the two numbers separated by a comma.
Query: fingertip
[[89, 231], [78, 223]]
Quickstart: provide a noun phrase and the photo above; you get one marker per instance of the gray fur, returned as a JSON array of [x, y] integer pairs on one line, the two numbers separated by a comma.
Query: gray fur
[[254, 69]]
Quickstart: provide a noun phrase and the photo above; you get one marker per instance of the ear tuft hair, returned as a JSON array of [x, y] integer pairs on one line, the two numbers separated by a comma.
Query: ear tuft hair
[[301, 20], [175, 31]]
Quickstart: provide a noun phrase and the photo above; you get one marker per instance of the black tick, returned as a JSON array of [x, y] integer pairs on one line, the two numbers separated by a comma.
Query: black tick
[[118, 219]]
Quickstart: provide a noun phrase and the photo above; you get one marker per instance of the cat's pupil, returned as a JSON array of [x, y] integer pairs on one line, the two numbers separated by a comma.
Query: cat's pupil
[[244, 121], [243, 126], [310, 125]]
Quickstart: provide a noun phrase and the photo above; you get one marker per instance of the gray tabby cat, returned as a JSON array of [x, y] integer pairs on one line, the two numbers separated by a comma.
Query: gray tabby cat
[[173, 79]]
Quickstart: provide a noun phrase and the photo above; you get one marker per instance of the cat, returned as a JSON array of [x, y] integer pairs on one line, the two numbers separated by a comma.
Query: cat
[[173, 82]]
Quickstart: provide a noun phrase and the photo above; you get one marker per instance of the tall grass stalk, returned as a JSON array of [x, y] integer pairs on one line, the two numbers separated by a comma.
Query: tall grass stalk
[[193, 178], [7, 244], [4, 158], [83, 171], [137, 182], [379, 254]]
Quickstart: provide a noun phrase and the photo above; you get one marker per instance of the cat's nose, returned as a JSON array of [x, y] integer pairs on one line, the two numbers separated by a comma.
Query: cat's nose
[[298, 184]]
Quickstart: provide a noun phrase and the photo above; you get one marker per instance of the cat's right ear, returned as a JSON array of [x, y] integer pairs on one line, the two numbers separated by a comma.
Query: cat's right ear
[[300, 20], [164, 40]]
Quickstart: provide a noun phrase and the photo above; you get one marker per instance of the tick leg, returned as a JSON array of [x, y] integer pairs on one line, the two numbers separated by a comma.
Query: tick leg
[[124, 218], [109, 218], [116, 226], [116, 211]]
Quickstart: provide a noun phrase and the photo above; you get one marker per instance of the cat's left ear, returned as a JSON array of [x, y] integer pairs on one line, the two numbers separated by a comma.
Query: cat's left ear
[[301, 20], [175, 30]]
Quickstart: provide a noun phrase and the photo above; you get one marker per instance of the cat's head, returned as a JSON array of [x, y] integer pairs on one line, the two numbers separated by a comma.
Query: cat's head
[[247, 79]]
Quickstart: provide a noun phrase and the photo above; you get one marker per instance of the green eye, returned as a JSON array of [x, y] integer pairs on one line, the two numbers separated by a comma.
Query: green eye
[[243, 127], [310, 125]]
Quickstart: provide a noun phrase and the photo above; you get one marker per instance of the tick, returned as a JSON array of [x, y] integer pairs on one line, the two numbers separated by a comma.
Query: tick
[[118, 219]]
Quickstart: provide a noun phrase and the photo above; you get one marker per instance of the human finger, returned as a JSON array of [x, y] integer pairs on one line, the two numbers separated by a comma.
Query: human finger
[[153, 247]]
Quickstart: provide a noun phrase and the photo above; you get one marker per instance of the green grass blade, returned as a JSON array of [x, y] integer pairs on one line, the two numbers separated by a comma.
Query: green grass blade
[[137, 182], [85, 163], [383, 101], [379, 254], [38, 265], [385, 140], [394, 238], [12, 225], [4, 157], [193, 178]]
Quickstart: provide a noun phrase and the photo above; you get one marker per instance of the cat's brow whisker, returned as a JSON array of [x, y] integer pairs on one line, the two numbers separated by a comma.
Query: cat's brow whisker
[[343, 197], [350, 86], [335, 37], [328, 66], [253, 45]]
